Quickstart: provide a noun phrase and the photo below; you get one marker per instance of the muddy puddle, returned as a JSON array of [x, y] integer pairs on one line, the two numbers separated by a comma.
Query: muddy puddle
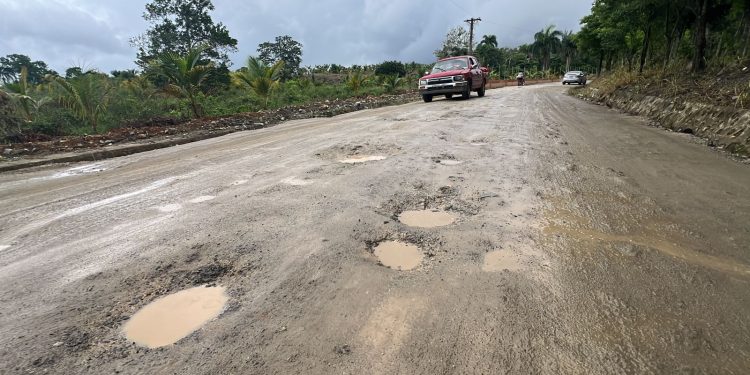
[[174, 317], [427, 218], [362, 159], [203, 198], [399, 255], [501, 260]]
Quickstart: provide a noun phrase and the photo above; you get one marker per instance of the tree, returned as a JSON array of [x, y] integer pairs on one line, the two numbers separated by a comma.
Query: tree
[[568, 45], [10, 69], [548, 41], [490, 40], [73, 72], [456, 43], [86, 96], [389, 68], [20, 94], [185, 75], [260, 77], [488, 53], [124, 74], [178, 26], [283, 49]]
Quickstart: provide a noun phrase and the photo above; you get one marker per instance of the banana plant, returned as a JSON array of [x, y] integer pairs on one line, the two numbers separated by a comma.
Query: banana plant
[[87, 96], [20, 94], [185, 75], [262, 79]]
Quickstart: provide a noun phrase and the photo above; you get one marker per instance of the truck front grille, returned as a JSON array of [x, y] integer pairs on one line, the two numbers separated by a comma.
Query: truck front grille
[[438, 81]]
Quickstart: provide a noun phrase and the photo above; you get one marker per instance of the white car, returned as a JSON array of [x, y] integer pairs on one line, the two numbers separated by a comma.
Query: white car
[[577, 77]]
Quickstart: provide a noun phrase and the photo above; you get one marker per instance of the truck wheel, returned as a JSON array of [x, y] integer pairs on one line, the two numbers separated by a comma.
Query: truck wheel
[[467, 91], [482, 89], [427, 98], [449, 96]]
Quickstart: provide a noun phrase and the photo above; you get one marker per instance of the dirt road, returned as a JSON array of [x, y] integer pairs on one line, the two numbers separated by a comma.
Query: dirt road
[[582, 241]]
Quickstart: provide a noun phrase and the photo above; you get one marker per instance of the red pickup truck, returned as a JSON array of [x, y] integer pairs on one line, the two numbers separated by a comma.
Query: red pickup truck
[[453, 76]]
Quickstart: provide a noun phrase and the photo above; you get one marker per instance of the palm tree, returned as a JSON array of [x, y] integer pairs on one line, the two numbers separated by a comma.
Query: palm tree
[[185, 75], [87, 96], [355, 81], [489, 40], [19, 93], [261, 78], [548, 41], [569, 48], [392, 82]]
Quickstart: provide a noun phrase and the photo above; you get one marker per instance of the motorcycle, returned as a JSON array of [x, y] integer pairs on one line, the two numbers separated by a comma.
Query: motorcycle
[[521, 81]]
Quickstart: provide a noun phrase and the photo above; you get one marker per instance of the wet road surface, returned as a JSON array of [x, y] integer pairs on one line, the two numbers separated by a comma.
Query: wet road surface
[[577, 240]]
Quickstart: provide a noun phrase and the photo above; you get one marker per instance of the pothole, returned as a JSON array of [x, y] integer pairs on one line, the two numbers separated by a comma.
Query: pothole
[[496, 261], [203, 198], [450, 162], [427, 218], [362, 159], [174, 317], [170, 208], [399, 255], [84, 169]]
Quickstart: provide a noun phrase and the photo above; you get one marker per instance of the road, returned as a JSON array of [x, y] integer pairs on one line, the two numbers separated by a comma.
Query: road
[[584, 241]]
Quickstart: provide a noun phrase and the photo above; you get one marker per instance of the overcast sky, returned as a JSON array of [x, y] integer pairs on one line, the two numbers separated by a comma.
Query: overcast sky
[[95, 33]]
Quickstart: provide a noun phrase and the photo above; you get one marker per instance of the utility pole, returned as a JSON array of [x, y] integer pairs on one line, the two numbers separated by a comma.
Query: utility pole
[[471, 22]]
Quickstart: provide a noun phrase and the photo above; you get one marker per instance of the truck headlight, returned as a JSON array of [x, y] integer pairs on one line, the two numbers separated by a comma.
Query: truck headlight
[[458, 78], [422, 82]]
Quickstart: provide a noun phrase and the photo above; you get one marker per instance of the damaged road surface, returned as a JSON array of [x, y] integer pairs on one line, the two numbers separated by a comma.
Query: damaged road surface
[[525, 232]]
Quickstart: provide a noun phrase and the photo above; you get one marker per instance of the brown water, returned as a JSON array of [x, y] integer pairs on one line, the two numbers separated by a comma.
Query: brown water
[[171, 318], [399, 255], [362, 159], [426, 218], [501, 260]]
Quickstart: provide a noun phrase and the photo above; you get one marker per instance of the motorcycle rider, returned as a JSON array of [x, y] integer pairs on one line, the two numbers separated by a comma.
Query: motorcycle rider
[[521, 77]]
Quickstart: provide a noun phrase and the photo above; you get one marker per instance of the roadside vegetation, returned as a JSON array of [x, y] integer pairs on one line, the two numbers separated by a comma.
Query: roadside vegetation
[[694, 50], [184, 70]]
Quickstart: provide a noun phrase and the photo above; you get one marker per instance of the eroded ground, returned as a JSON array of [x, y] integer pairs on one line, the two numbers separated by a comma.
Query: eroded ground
[[553, 236]]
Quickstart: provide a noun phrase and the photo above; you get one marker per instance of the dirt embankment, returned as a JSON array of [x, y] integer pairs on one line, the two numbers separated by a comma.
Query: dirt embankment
[[699, 110]]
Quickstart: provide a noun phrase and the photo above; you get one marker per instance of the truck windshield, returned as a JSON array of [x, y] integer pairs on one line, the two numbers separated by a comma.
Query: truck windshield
[[453, 64]]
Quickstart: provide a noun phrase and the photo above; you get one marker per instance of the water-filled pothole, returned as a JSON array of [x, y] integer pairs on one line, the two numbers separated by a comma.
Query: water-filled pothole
[[426, 218], [362, 159], [496, 261], [171, 318], [399, 255]]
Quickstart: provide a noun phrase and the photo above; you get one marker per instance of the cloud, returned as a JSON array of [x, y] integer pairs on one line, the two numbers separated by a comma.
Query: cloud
[[96, 32]]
